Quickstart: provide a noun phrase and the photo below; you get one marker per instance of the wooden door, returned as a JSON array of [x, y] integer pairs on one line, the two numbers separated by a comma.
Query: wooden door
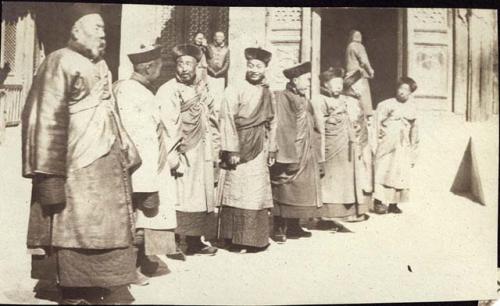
[[429, 49]]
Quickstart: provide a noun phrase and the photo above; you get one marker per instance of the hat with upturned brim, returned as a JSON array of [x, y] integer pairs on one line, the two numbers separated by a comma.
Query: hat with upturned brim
[[296, 71], [187, 50], [258, 54]]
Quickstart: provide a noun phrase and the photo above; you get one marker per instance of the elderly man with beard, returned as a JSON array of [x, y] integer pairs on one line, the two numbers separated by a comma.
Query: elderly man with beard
[[296, 174], [79, 157], [186, 109], [248, 127], [347, 181]]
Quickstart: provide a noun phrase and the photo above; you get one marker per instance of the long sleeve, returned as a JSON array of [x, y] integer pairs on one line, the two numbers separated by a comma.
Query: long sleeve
[[273, 145], [170, 119], [286, 131], [225, 66], [137, 120], [362, 57], [213, 125], [45, 121], [414, 140], [229, 134], [320, 115]]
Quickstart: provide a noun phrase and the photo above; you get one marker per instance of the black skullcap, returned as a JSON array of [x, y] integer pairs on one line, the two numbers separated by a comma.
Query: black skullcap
[[297, 71], [258, 54]]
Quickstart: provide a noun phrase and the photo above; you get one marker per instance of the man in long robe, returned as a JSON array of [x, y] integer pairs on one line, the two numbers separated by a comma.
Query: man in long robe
[[218, 62], [397, 144], [75, 150], [295, 176], [186, 109], [347, 180], [356, 59], [248, 127], [154, 193]]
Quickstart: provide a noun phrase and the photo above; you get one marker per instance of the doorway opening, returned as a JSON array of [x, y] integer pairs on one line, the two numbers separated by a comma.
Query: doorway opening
[[379, 28]]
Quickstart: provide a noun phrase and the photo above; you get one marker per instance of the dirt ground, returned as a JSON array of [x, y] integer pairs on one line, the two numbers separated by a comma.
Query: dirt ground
[[443, 247]]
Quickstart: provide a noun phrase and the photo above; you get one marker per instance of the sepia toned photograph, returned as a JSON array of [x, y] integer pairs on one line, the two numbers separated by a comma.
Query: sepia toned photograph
[[247, 155]]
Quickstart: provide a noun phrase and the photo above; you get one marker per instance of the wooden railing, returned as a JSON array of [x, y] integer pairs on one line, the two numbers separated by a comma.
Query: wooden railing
[[13, 103]]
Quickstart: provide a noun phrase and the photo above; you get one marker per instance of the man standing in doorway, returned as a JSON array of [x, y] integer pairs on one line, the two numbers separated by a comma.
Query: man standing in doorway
[[186, 109], [79, 157], [296, 174], [218, 64], [356, 59], [201, 42]]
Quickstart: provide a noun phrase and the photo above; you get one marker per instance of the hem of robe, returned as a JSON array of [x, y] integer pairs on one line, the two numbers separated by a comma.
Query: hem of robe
[[86, 267], [390, 195], [244, 226], [291, 211], [338, 210], [196, 224], [159, 242]]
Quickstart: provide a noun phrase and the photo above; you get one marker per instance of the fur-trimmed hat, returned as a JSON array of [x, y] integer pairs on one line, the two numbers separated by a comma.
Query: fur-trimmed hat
[[297, 71], [258, 54], [78, 10], [187, 49]]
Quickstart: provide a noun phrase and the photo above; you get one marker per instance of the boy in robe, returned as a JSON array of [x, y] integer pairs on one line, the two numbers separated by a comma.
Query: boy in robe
[[397, 144]]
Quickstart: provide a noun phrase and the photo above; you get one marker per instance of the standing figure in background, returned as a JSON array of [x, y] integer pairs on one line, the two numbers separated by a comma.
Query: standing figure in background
[[296, 174], [397, 143], [347, 152], [186, 109], [248, 127], [218, 65], [202, 69], [356, 58], [79, 157], [154, 193]]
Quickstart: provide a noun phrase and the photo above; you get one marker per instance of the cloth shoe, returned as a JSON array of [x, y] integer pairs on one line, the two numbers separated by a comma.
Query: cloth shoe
[[295, 231], [394, 209], [380, 208]]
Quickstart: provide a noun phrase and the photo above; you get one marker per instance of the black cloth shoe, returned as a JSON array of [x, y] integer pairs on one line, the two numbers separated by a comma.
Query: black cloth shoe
[[179, 255], [295, 231], [394, 209], [196, 246], [206, 250], [279, 234], [380, 208]]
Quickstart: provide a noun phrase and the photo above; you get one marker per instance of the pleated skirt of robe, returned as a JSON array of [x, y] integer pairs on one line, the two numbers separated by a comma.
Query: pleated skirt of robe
[[86, 268], [245, 227], [339, 188], [196, 224]]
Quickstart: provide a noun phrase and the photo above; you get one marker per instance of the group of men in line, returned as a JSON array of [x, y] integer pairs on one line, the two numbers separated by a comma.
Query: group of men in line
[[121, 173]]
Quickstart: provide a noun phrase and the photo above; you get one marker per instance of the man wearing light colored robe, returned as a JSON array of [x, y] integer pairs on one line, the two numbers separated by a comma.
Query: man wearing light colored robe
[[248, 129], [186, 109]]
